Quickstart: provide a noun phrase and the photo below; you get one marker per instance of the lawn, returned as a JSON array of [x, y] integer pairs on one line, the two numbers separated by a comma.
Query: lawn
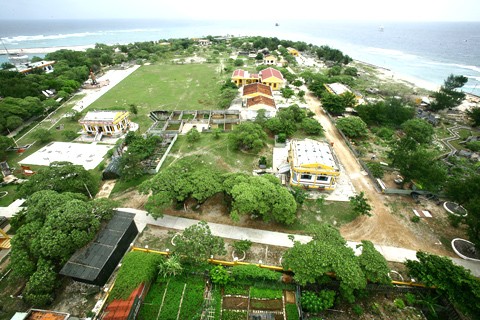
[[165, 87], [313, 212], [217, 151]]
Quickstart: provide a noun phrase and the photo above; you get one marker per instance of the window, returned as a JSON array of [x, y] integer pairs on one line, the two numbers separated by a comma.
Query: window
[[306, 177], [322, 178]]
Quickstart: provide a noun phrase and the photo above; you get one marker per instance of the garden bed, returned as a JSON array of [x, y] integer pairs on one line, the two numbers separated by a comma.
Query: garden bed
[[465, 249], [455, 209]]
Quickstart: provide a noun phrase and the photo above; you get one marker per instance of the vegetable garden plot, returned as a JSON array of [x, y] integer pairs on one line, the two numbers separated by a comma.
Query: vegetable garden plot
[[175, 298]]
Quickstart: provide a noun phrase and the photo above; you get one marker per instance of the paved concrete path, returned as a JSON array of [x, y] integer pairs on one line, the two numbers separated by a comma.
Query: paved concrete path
[[393, 254]]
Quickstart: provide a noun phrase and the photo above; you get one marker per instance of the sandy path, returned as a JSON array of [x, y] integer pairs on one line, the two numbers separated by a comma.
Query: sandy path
[[382, 227]]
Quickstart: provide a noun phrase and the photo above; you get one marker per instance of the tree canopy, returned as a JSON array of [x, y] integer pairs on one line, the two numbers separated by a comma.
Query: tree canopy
[[48, 231], [337, 104], [419, 164], [461, 287], [260, 196], [419, 130], [352, 127], [248, 136], [326, 252], [61, 177], [465, 191], [391, 113], [474, 115], [448, 96], [196, 244]]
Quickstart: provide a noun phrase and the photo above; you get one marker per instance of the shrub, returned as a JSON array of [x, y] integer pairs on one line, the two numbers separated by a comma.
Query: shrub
[[376, 169], [357, 309], [281, 138], [253, 272], [399, 303], [219, 275], [69, 135], [385, 133], [375, 307], [313, 302], [415, 219], [242, 245], [410, 298]]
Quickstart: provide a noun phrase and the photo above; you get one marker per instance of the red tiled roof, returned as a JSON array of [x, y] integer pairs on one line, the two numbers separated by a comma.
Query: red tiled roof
[[257, 87], [270, 72], [260, 100], [238, 73], [120, 309]]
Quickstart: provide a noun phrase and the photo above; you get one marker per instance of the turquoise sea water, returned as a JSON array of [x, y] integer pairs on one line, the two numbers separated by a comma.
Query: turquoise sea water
[[426, 51]]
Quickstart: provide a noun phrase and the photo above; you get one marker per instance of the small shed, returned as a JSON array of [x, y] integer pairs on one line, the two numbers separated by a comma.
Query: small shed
[[95, 262]]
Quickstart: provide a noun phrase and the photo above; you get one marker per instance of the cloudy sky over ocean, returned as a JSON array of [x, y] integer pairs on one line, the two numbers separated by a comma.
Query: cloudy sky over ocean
[[365, 10]]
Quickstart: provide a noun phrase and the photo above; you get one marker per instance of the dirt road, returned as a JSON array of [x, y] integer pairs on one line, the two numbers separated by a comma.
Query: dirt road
[[382, 227]]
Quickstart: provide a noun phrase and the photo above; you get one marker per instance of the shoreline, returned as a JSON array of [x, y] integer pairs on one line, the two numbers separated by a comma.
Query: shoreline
[[389, 75], [46, 49]]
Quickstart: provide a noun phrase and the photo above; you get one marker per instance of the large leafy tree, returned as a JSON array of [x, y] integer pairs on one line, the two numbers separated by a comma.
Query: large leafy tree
[[61, 177], [260, 197], [360, 205], [138, 149], [286, 121], [248, 136], [419, 130], [48, 232], [419, 164], [474, 115], [326, 252], [196, 244], [465, 191], [5, 143], [333, 103], [352, 127], [461, 287], [373, 264], [179, 182], [448, 96], [391, 112]]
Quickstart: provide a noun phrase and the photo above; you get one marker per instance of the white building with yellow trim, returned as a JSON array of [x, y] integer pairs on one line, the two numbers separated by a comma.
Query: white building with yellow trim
[[313, 165], [110, 123]]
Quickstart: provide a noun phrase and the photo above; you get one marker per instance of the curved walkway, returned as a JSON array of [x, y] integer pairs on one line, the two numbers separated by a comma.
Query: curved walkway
[[281, 239]]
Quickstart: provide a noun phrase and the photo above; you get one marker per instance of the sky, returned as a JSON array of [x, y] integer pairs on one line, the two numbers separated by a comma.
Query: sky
[[280, 10]]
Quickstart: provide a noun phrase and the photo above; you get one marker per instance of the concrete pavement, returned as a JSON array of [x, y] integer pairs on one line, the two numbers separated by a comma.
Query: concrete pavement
[[393, 254]]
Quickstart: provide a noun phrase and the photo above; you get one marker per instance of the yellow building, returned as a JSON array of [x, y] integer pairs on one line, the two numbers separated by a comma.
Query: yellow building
[[270, 60], [294, 52], [110, 123], [272, 78], [241, 77], [313, 165]]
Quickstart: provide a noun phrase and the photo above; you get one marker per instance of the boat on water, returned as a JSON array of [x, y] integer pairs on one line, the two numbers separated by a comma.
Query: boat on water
[[276, 24], [381, 28]]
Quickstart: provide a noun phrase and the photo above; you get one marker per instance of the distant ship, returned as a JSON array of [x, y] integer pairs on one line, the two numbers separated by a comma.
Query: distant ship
[[380, 28], [276, 24]]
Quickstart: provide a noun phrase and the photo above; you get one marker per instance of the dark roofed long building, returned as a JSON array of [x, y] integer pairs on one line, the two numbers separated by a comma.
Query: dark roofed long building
[[95, 262]]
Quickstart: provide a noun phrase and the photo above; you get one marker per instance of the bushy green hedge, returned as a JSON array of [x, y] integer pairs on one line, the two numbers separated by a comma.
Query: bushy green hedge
[[253, 272], [137, 267]]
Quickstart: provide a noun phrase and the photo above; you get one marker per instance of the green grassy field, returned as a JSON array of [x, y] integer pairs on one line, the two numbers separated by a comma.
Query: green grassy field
[[218, 152], [165, 87]]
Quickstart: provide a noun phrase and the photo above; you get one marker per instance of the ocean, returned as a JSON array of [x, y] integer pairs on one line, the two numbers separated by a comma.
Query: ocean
[[426, 51]]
